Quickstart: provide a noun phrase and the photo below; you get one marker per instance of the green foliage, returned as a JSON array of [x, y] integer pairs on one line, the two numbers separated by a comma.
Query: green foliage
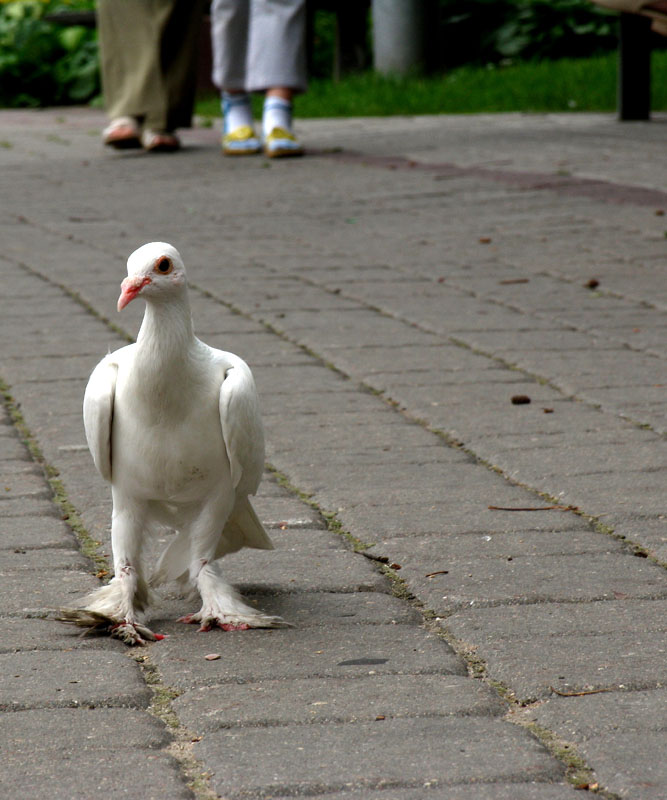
[[489, 31], [42, 62]]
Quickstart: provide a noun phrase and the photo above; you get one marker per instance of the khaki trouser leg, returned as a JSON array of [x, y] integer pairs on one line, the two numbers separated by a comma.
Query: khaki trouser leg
[[148, 59]]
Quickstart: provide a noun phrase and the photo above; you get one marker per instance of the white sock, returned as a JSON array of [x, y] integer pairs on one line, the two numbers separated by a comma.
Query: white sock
[[236, 110], [277, 114]]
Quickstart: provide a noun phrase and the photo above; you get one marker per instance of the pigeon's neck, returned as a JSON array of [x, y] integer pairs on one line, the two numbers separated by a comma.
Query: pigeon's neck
[[166, 334]]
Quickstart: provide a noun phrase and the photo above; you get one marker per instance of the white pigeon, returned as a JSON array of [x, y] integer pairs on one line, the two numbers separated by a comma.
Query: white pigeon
[[174, 426]]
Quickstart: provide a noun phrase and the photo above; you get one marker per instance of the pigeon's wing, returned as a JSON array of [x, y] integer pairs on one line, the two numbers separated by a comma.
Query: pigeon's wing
[[242, 427], [98, 414]]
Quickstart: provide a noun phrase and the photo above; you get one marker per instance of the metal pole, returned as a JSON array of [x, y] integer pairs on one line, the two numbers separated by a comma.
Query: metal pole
[[399, 36]]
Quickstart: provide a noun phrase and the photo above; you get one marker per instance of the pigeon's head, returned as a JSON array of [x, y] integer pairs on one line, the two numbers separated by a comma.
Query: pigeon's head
[[154, 271]]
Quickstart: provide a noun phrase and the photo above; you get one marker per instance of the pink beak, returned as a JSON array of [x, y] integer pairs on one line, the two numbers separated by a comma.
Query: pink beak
[[129, 289]]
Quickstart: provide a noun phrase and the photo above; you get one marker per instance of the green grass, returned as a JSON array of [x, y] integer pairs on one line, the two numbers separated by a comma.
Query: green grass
[[567, 85]]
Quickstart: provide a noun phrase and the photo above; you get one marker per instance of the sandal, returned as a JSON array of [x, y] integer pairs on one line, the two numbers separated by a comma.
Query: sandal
[[160, 141], [122, 133]]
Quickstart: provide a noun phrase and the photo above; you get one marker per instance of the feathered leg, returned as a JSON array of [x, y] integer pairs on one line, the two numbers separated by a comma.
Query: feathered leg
[[115, 609], [222, 606]]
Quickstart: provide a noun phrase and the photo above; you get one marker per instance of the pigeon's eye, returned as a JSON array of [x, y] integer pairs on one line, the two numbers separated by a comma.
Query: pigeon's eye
[[163, 265]]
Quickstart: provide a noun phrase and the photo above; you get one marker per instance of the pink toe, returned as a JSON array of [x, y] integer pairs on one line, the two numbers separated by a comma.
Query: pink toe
[[228, 626]]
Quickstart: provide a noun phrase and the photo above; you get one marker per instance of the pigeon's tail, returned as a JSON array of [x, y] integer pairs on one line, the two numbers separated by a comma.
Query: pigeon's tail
[[174, 560], [243, 529]]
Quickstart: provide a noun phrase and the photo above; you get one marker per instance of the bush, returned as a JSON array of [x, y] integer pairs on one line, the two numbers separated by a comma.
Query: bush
[[43, 63], [482, 32]]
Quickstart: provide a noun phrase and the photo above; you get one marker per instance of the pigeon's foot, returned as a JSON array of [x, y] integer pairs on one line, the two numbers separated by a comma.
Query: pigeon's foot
[[96, 623], [233, 622], [133, 633], [207, 623], [224, 608]]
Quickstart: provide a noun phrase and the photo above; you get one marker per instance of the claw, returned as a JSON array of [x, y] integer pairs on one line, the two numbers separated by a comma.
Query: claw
[[127, 632], [208, 623], [93, 622], [134, 633]]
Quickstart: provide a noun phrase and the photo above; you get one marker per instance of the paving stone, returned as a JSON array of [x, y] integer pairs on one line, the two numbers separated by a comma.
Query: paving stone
[[530, 790], [290, 512], [585, 718], [30, 506], [81, 729], [45, 633], [407, 752], [577, 663], [298, 571], [628, 450], [47, 679], [371, 522], [20, 478], [648, 531], [606, 616], [641, 775], [22, 592], [345, 328], [51, 558], [317, 700], [77, 754], [482, 489], [34, 532], [312, 652], [568, 646], [61, 367], [318, 541], [148, 774], [507, 545], [534, 579]]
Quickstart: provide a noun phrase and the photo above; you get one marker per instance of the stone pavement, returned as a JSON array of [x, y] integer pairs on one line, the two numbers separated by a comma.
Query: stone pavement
[[477, 583]]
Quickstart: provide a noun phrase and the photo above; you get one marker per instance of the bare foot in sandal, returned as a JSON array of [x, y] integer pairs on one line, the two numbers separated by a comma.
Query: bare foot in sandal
[[160, 141], [122, 133]]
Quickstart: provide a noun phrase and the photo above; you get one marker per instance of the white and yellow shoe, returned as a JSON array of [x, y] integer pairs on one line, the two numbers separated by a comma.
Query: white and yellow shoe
[[281, 143], [241, 142]]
